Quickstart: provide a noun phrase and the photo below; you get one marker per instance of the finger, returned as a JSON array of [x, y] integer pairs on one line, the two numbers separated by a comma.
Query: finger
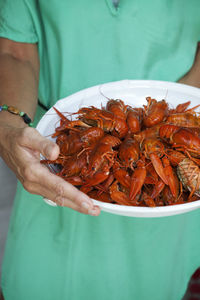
[[57, 187], [36, 188], [31, 138]]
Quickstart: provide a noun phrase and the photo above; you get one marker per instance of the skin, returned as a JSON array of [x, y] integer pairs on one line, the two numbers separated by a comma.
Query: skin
[[20, 145], [192, 77]]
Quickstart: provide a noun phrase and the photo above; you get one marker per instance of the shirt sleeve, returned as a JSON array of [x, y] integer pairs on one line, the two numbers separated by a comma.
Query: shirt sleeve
[[16, 21]]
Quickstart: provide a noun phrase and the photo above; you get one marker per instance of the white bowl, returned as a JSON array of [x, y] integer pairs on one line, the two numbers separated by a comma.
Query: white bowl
[[132, 92]]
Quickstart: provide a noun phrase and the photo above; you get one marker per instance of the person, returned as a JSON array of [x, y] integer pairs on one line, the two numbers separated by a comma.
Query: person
[[49, 50]]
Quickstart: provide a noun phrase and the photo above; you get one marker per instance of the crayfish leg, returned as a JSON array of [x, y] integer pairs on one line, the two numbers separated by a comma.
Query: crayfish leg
[[118, 196], [159, 186], [148, 200], [123, 177], [96, 179], [172, 180], [137, 181], [158, 167]]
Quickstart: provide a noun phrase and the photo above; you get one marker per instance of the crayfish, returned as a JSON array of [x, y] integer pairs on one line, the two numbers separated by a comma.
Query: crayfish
[[135, 156]]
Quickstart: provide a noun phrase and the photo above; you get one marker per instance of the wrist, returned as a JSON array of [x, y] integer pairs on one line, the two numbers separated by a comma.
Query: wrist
[[15, 111], [10, 120]]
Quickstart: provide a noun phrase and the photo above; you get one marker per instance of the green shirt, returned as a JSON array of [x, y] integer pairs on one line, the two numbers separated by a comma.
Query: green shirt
[[57, 253]]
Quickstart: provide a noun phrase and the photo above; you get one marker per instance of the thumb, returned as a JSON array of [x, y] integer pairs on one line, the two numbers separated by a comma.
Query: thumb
[[50, 150], [34, 140]]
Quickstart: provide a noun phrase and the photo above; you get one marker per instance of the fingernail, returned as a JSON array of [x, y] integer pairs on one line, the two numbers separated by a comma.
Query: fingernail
[[92, 212], [49, 150], [85, 205]]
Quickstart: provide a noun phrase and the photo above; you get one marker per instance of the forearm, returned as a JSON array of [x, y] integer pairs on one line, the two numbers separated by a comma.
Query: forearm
[[19, 75], [193, 76], [19, 72], [18, 86], [18, 83]]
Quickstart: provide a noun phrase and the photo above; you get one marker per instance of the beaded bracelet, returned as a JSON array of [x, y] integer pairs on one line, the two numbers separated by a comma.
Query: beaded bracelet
[[15, 111]]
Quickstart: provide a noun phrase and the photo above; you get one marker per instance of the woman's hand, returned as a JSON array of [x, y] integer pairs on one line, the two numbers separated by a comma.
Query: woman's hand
[[21, 151], [20, 146]]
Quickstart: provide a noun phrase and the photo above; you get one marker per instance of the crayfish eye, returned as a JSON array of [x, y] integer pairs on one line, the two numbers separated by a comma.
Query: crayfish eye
[[93, 168]]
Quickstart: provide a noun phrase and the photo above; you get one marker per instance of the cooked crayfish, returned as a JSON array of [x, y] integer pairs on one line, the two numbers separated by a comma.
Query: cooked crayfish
[[189, 174], [129, 152], [155, 112], [146, 156], [185, 139], [104, 119]]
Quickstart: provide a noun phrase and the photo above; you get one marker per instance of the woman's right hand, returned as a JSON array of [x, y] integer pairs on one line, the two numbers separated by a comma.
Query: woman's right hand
[[21, 148]]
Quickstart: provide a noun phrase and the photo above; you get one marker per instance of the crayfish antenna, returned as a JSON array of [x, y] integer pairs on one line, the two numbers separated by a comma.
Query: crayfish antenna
[[102, 94], [60, 114]]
